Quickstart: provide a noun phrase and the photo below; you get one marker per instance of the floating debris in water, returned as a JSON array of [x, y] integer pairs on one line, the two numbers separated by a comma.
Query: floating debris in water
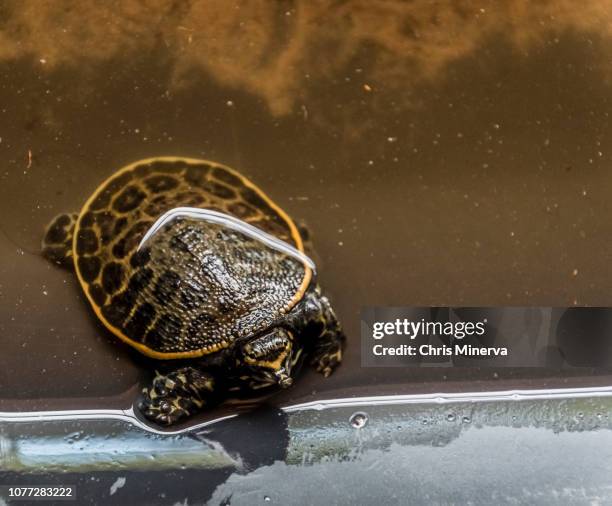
[[119, 483]]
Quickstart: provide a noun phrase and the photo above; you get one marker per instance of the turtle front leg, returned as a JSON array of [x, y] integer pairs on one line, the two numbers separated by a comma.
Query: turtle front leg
[[177, 395], [328, 334]]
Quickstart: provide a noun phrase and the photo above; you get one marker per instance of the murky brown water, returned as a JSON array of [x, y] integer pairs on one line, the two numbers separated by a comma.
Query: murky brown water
[[440, 155]]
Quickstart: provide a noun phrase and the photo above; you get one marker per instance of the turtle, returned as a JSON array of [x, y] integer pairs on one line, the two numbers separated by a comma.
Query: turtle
[[216, 307]]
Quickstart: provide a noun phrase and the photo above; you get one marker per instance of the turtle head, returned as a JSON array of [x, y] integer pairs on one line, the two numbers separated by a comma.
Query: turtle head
[[271, 357]]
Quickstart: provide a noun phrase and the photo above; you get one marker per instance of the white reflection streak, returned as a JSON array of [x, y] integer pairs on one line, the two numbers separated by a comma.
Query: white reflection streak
[[448, 398], [230, 222], [434, 398], [67, 447], [99, 414]]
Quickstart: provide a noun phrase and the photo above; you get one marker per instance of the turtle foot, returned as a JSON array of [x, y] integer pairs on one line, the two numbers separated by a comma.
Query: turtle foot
[[176, 395]]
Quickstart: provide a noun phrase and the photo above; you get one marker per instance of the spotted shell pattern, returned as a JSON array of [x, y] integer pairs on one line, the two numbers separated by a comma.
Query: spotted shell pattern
[[139, 299]]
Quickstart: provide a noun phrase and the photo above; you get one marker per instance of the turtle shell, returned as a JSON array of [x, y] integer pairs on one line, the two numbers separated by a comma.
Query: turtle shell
[[195, 287]]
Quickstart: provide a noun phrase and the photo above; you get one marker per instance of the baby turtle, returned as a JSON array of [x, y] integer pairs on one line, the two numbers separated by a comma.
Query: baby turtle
[[218, 308]]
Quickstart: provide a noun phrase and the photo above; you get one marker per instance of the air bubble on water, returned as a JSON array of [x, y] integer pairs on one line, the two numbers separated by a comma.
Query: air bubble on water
[[267, 498], [358, 420], [466, 419], [450, 417]]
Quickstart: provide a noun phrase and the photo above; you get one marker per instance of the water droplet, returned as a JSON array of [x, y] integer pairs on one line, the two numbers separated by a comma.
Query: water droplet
[[466, 419], [450, 417], [359, 420], [267, 499]]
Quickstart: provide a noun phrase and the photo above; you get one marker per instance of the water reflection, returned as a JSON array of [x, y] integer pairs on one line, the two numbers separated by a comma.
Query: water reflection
[[274, 50], [228, 222], [100, 440]]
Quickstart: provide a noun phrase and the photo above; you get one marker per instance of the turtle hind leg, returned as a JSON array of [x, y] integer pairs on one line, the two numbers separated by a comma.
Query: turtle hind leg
[[328, 347], [177, 395], [329, 337], [57, 242]]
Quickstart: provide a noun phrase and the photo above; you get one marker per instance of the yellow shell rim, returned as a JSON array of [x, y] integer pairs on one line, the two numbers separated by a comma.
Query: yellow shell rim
[[145, 350]]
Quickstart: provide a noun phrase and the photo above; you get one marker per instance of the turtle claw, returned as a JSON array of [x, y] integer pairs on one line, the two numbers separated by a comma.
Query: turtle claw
[[327, 361]]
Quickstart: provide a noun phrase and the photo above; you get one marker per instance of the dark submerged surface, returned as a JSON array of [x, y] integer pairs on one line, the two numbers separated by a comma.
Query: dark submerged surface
[[440, 156]]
